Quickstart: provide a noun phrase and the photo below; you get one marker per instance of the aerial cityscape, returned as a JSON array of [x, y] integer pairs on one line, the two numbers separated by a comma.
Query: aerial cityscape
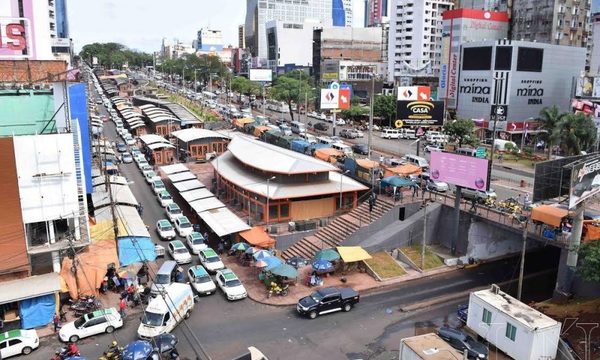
[[300, 179]]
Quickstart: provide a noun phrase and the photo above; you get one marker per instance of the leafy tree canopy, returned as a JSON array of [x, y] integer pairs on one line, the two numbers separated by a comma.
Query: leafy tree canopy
[[461, 131]]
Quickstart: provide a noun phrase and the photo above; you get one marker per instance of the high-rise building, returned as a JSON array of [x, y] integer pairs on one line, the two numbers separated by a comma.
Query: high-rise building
[[288, 45], [415, 39], [559, 22], [341, 12], [464, 26], [241, 37], [62, 46], [288, 12], [594, 51], [489, 5], [377, 11], [209, 40]]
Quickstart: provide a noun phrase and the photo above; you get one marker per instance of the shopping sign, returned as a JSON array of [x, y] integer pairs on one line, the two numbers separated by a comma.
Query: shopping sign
[[335, 99], [413, 93]]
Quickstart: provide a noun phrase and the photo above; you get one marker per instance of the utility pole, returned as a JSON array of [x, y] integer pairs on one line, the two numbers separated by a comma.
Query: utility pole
[[424, 236], [522, 265], [372, 101]]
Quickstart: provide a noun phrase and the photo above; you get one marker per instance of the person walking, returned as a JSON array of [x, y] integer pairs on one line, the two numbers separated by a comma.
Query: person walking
[[56, 322], [473, 205], [122, 306], [370, 204]]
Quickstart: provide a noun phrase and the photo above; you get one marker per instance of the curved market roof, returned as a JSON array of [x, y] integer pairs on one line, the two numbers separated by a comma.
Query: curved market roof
[[191, 134], [273, 159]]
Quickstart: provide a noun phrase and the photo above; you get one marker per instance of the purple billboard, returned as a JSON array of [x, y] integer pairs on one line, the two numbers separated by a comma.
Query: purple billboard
[[460, 170]]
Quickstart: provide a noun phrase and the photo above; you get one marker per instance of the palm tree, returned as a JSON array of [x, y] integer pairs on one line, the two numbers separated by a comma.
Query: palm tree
[[551, 118], [576, 133]]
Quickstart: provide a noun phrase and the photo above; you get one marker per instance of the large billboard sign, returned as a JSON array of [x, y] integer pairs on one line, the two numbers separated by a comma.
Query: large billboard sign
[[15, 38], [335, 98], [413, 93], [585, 181], [419, 113], [262, 75], [460, 170]]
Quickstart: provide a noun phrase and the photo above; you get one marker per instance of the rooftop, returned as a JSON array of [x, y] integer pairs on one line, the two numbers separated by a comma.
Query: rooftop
[[517, 310], [187, 135], [431, 347], [273, 159], [174, 169]]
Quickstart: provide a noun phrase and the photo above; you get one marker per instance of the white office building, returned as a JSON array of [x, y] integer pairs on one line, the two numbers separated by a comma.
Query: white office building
[[415, 39], [259, 12], [288, 43]]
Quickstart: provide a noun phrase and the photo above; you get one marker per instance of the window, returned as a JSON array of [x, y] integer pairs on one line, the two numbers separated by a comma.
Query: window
[[511, 331], [477, 58], [14, 342], [284, 210], [166, 319], [3, 344], [487, 316], [503, 58], [530, 59]]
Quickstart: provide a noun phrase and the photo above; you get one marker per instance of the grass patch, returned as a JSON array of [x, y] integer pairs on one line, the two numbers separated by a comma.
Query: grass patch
[[192, 106], [385, 266], [432, 261]]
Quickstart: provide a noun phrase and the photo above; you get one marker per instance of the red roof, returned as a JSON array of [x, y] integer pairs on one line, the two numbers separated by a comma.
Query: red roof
[[476, 14]]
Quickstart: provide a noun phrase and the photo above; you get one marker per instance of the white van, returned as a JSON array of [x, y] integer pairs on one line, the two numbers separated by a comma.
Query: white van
[[430, 134], [324, 140], [298, 127], [308, 138], [166, 311], [417, 160], [347, 150], [500, 144], [408, 134], [390, 134], [437, 139]]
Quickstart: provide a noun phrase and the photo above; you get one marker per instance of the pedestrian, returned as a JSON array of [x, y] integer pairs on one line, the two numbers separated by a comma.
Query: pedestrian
[[381, 158], [473, 205], [122, 306], [205, 236], [526, 199], [221, 247], [370, 204], [374, 194], [415, 191], [56, 322]]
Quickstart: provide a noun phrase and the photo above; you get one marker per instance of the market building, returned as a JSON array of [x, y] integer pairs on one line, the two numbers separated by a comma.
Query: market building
[[253, 174], [160, 150], [195, 144]]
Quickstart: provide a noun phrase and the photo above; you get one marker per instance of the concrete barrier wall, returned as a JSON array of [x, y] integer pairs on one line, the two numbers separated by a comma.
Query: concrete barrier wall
[[286, 240]]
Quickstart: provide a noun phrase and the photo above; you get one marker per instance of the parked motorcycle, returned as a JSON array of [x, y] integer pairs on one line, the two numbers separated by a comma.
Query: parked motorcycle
[[278, 290], [85, 304]]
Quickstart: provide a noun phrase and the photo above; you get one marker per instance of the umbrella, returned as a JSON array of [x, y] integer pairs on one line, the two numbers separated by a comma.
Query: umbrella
[[327, 254], [251, 250], [137, 350], [240, 246], [296, 261], [272, 262], [165, 342], [397, 181], [322, 265], [261, 263], [262, 254], [285, 270]]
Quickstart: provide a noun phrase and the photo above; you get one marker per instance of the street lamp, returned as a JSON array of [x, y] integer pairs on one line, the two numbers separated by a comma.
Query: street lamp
[[341, 182], [268, 212]]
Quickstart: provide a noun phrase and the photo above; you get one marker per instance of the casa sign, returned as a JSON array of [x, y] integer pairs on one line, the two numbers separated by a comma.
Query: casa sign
[[14, 36]]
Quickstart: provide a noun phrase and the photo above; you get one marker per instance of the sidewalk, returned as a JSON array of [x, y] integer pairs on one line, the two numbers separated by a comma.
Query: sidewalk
[[361, 282]]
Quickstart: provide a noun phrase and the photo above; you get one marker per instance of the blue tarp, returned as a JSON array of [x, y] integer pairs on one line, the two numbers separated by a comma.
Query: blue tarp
[[37, 311], [78, 109], [135, 249]]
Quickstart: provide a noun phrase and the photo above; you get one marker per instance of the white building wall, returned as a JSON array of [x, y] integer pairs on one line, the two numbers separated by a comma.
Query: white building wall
[[293, 43], [595, 54]]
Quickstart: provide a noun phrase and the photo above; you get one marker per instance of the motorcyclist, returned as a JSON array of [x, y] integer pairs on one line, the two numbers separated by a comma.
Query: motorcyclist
[[113, 351], [72, 349]]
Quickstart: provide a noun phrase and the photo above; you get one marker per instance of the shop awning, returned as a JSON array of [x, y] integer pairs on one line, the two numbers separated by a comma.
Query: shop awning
[[30, 287], [257, 236], [549, 215], [206, 204], [403, 170], [367, 164], [352, 253], [223, 221]]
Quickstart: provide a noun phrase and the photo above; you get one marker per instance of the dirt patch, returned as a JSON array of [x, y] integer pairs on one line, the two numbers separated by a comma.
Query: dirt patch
[[578, 316], [385, 266], [432, 260]]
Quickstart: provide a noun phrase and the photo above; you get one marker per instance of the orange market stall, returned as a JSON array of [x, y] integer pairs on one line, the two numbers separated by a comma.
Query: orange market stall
[[403, 170], [328, 154], [258, 237]]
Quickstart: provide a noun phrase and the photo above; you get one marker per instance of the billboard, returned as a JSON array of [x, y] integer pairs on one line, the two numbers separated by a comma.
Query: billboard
[[263, 75], [460, 170], [329, 98], [15, 38], [419, 113], [414, 93], [585, 181]]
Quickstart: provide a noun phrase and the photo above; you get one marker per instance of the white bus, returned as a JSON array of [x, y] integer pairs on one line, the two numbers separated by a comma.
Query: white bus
[[278, 106]]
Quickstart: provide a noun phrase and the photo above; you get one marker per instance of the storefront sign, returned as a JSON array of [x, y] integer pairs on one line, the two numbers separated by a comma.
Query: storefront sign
[[420, 113]]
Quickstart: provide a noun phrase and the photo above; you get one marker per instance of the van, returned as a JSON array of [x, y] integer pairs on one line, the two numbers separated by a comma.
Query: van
[[466, 152], [500, 145], [298, 127], [324, 140], [285, 130], [408, 134], [164, 277], [308, 138], [165, 312], [347, 150], [430, 134], [417, 160], [437, 139], [390, 134]]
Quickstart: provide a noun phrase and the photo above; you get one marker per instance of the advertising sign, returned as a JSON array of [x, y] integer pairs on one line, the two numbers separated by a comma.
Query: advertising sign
[[329, 98], [460, 170], [262, 75], [420, 113], [499, 114], [585, 181], [15, 38], [344, 99], [452, 84], [414, 93]]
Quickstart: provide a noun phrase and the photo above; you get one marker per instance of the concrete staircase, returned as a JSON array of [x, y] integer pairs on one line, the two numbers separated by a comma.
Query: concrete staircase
[[339, 229]]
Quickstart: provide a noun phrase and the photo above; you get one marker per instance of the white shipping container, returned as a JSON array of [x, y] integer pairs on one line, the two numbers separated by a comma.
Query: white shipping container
[[518, 330]]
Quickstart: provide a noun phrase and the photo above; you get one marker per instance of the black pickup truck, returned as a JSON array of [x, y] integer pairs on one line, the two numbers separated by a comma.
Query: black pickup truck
[[327, 300]]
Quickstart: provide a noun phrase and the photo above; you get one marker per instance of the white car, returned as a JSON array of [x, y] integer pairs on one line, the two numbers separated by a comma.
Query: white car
[[196, 242], [18, 342], [160, 250], [184, 226], [146, 169], [165, 230], [179, 252], [97, 322], [158, 186], [126, 158], [434, 147], [201, 280], [151, 177], [173, 211], [210, 260], [340, 121], [359, 133], [439, 186], [164, 198], [230, 284]]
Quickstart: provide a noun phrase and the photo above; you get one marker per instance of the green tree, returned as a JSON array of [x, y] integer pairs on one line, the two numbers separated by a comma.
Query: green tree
[[589, 265], [461, 131], [245, 86], [115, 55], [576, 133], [384, 106], [551, 118], [354, 113], [289, 90]]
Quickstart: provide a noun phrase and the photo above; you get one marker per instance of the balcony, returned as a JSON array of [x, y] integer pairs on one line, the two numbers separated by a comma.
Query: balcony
[[54, 235]]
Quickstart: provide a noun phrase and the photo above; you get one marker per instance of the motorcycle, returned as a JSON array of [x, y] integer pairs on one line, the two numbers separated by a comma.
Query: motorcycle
[[277, 290], [112, 353], [63, 353], [85, 304]]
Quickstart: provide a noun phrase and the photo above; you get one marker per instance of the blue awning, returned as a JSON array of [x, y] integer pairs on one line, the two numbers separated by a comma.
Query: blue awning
[[135, 249]]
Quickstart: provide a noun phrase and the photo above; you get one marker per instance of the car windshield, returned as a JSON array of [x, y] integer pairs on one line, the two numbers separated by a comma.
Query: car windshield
[[212, 259], [316, 296], [180, 250], [152, 319], [165, 196], [162, 279], [202, 279], [166, 227], [79, 322], [198, 241], [175, 211], [185, 225], [232, 283]]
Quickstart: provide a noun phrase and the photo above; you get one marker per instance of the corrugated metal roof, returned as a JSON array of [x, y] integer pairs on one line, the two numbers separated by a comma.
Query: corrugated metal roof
[[155, 146], [113, 179], [29, 287], [223, 222], [174, 169], [273, 159], [153, 138], [183, 113], [130, 222], [188, 185], [187, 135], [121, 194], [196, 194], [182, 176], [206, 204]]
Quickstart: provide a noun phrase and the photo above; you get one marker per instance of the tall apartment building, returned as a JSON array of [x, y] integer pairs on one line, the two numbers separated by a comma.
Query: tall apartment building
[[415, 39], [376, 12], [594, 46], [559, 22], [62, 46], [259, 12], [241, 37], [489, 5], [209, 40], [341, 12]]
